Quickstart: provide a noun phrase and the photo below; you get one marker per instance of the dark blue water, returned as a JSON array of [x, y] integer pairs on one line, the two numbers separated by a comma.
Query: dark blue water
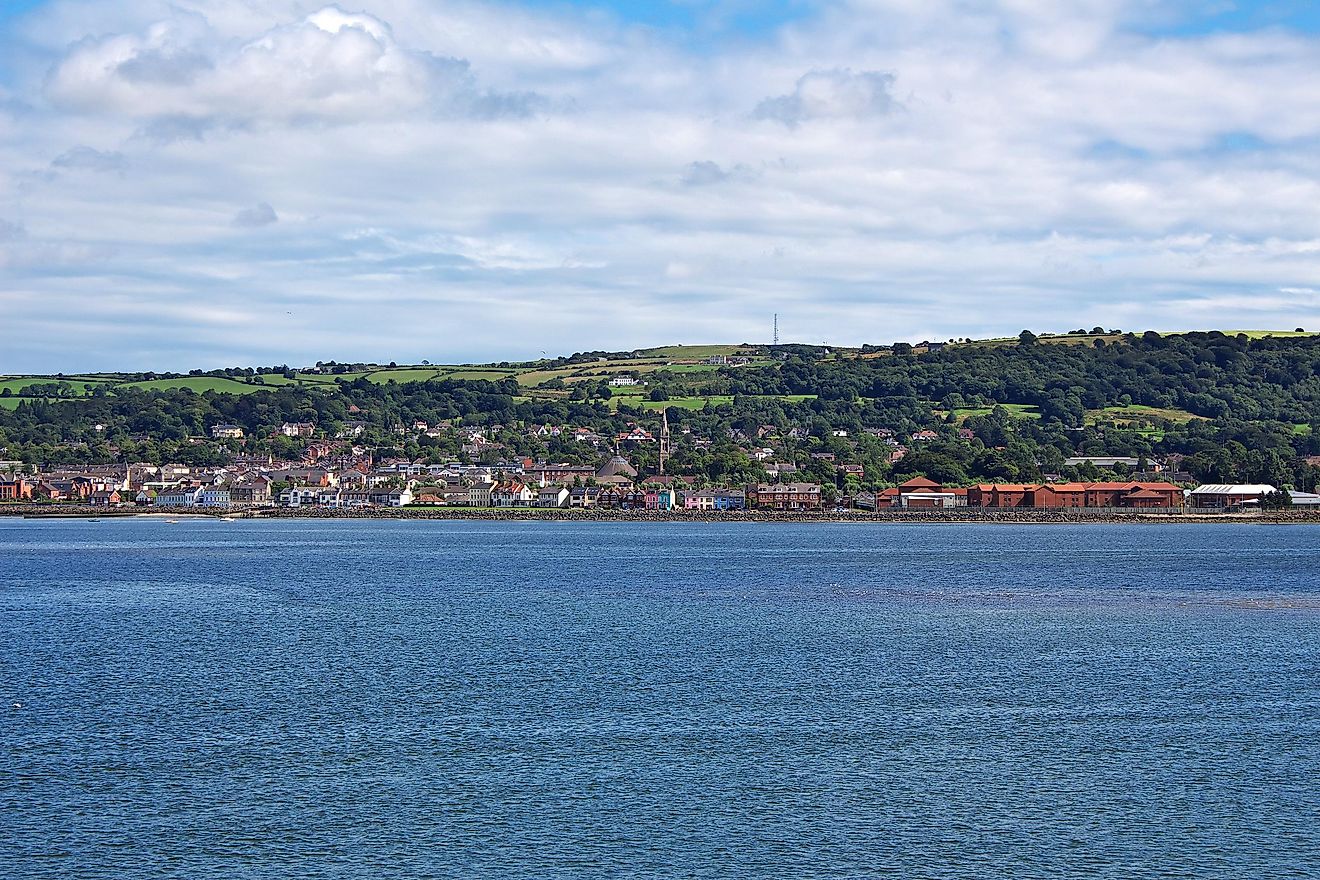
[[409, 699]]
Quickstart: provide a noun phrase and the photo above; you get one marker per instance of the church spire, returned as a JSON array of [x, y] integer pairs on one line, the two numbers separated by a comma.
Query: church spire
[[664, 437]]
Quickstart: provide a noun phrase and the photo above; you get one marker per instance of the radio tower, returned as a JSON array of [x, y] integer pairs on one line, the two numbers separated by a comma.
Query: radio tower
[[776, 342]]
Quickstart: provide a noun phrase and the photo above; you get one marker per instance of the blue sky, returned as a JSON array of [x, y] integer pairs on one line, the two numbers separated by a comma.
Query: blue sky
[[198, 183]]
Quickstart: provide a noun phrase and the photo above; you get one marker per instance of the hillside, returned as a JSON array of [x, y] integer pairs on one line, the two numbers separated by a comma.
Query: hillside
[[1222, 407]]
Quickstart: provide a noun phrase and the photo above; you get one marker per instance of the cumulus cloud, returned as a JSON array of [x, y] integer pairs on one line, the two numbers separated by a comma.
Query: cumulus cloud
[[260, 214], [331, 65], [831, 94]]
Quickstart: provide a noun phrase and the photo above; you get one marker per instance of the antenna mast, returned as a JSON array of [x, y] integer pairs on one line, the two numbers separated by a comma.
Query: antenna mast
[[776, 342]]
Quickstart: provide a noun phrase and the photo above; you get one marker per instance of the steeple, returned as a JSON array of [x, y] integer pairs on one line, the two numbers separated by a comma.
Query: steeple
[[664, 437]]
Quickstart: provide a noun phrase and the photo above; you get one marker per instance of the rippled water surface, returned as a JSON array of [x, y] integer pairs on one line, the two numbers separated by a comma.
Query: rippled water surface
[[426, 699]]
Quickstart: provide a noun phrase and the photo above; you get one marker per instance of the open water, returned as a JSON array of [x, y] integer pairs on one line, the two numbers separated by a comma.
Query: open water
[[356, 699]]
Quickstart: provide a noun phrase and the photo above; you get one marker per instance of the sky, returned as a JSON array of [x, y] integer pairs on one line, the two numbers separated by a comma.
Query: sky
[[207, 183]]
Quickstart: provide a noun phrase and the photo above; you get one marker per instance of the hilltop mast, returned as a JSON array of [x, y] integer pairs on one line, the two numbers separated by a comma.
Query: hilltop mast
[[776, 342]]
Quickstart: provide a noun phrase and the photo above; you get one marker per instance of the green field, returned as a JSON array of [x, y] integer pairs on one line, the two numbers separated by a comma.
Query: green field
[[384, 377], [79, 385], [1020, 410], [693, 351], [473, 374], [1261, 334], [1137, 413], [274, 380], [695, 403], [198, 384]]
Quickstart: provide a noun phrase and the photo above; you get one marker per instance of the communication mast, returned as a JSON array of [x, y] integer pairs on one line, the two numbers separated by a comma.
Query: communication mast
[[776, 342]]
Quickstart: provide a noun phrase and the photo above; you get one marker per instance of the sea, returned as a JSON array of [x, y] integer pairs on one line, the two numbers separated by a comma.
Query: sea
[[400, 698]]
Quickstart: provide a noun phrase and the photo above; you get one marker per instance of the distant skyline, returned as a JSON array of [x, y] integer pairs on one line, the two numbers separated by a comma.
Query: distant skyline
[[188, 184]]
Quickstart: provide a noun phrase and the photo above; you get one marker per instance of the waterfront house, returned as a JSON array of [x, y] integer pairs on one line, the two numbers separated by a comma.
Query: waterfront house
[[215, 496], [251, 490], [16, 488], [512, 493], [479, 494], [179, 496], [582, 497], [552, 496], [784, 496], [301, 496]]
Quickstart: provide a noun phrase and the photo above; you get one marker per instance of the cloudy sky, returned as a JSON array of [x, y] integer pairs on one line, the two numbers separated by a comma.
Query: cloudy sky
[[201, 183]]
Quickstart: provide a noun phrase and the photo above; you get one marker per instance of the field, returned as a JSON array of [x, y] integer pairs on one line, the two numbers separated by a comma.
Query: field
[[1020, 410], [1262, 334], [695, 403], [78, 384], [679, 352], [198, 384], [1122, 415]]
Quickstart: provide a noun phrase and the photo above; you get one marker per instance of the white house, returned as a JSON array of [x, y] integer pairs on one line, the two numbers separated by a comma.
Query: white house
[[301, 496], [216, 496], [179, 496], [226, 432], [479, 495], [552, 496], [513, 494]]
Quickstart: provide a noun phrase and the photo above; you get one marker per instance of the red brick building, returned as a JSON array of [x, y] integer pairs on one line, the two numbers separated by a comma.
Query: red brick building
[[1065, 495], [784, 496]]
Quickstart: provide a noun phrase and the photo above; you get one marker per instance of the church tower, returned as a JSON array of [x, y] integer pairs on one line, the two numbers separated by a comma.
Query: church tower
[[664, 437]]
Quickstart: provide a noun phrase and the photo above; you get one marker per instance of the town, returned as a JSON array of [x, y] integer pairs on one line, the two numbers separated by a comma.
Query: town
[[1089, 420], [335, 473]]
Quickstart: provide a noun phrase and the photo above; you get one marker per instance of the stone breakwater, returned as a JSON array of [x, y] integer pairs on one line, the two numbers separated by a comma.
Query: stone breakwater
[[515, 514]]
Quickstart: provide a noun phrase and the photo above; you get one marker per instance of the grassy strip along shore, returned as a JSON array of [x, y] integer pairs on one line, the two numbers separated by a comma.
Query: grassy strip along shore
[[522, 514]]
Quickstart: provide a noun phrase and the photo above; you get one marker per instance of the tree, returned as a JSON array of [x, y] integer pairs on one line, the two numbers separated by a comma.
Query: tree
[[1026, 337], [1276, 500]]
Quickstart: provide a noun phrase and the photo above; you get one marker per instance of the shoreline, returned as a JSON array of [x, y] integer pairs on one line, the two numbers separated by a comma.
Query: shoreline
[[1012, 516]]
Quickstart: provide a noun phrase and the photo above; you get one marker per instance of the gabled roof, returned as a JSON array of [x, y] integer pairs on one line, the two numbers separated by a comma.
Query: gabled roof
[[919, 483]]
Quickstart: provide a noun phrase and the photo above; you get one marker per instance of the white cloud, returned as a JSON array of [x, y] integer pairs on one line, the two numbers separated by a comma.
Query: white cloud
[[831, 94], [881, 169], [330, 65]]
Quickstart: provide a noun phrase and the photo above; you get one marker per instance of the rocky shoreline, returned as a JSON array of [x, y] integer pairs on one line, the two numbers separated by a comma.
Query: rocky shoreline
[[946, 516]]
